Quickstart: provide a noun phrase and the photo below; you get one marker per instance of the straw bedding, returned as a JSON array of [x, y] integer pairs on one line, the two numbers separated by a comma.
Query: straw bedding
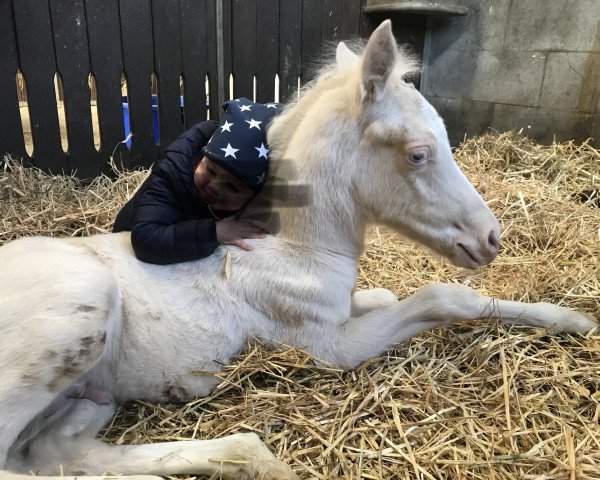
[[475, 401]]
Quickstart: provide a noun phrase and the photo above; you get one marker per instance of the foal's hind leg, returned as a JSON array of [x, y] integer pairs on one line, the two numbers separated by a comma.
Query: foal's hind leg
[[439, 305], [239, 456], [19, 476], [57, 310], [235, 457]]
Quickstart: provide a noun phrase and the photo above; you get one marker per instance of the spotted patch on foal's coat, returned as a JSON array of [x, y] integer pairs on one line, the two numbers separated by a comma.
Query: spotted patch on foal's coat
[[86, 308], [30, 373], [88, 343], [175, 393], [49, 355], [74, 364]]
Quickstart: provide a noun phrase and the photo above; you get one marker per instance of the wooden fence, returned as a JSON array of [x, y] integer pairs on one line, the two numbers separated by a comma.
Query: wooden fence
[[95, 50]]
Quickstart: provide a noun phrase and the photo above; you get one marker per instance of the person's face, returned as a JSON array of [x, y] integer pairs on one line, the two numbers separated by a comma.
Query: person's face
[[220, 189]]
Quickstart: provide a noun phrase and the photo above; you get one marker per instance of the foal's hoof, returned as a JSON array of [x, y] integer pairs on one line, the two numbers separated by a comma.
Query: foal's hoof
[[262, 464], [581, 324], [279, 472], [128, 477], [571, 321]]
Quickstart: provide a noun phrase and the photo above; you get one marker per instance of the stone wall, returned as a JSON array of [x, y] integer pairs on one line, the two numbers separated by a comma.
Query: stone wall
[[512, 64]]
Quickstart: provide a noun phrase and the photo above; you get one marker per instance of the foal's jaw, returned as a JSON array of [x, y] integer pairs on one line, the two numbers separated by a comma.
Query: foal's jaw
[[458, 225], [470, 248], [436, 206], [473, 252], [474, 240]]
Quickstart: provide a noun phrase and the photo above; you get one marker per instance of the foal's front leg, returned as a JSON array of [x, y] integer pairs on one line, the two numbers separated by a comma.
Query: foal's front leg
[[365, 301], [437, 305]]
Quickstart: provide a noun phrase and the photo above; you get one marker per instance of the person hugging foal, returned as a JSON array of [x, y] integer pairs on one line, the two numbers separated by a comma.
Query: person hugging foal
[[186, 207]]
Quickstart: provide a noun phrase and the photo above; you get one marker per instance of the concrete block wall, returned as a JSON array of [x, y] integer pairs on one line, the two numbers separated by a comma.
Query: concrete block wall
[[512, 64]]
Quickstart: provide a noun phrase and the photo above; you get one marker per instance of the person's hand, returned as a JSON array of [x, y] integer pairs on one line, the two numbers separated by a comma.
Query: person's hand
[[233, 232]]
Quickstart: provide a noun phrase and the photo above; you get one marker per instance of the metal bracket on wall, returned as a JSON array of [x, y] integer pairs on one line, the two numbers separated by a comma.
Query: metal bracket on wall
[[429, 7]]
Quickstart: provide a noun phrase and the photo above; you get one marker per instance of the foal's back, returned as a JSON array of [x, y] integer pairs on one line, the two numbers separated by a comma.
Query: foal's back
[[157, 326]]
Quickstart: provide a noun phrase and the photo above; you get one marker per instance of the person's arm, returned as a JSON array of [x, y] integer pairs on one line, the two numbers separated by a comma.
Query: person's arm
[[191, 141], [158, 234]]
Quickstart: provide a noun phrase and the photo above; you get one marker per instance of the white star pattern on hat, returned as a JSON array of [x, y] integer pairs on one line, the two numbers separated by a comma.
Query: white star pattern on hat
[[253, 123], [230, 151], [262, 150], [248, 157], [226, 126]]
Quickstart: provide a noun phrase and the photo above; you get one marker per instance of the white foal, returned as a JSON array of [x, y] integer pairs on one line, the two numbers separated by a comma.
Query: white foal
[[85, 325]]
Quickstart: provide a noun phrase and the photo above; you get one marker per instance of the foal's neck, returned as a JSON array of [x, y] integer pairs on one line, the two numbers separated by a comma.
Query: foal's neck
[[315, 147], [320, 210]]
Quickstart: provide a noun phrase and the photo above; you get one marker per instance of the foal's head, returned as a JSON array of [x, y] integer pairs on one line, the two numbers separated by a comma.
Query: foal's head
[[408, 178], [374, 150]]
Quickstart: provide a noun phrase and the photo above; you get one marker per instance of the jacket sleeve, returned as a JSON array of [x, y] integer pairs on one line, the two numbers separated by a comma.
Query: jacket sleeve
[[191, 141], [159, 235]]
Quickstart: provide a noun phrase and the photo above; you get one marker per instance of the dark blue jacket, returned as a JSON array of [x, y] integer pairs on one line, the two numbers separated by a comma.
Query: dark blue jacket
[[168, 220]]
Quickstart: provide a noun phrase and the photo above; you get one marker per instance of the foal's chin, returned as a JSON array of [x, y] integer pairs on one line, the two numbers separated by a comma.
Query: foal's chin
[[470, 257], [463, 258], [458, 251]]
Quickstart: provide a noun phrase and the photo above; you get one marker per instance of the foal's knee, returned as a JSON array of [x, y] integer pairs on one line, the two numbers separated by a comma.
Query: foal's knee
[[451, 302], [364, 301]]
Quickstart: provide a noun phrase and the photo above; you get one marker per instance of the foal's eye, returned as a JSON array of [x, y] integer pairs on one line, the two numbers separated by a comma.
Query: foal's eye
[[419, 155]]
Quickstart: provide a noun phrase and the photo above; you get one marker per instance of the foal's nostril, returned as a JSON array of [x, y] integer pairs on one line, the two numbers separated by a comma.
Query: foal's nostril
[[493, 240]]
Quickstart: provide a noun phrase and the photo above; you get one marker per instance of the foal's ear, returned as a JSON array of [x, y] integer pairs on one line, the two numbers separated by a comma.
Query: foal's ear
[[344, 56], [380, 57]]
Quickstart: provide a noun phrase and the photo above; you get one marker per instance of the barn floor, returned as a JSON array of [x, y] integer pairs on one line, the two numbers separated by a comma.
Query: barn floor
[[476, 401]]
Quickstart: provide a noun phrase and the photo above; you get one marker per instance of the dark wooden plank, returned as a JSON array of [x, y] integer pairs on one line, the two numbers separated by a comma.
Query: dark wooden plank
[[73, 64], [211, 54], [138, 65], [367, 23], [243, 43], [312, 21], [351, 15], [38, 65], [227, 57], [104, 34], [194, 58], [11, 131], [332, 22], [167, 65], [267, 47], [290, 47]]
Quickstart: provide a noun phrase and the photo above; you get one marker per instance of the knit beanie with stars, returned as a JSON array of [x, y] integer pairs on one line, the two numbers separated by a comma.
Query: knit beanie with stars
[[240, 143]]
